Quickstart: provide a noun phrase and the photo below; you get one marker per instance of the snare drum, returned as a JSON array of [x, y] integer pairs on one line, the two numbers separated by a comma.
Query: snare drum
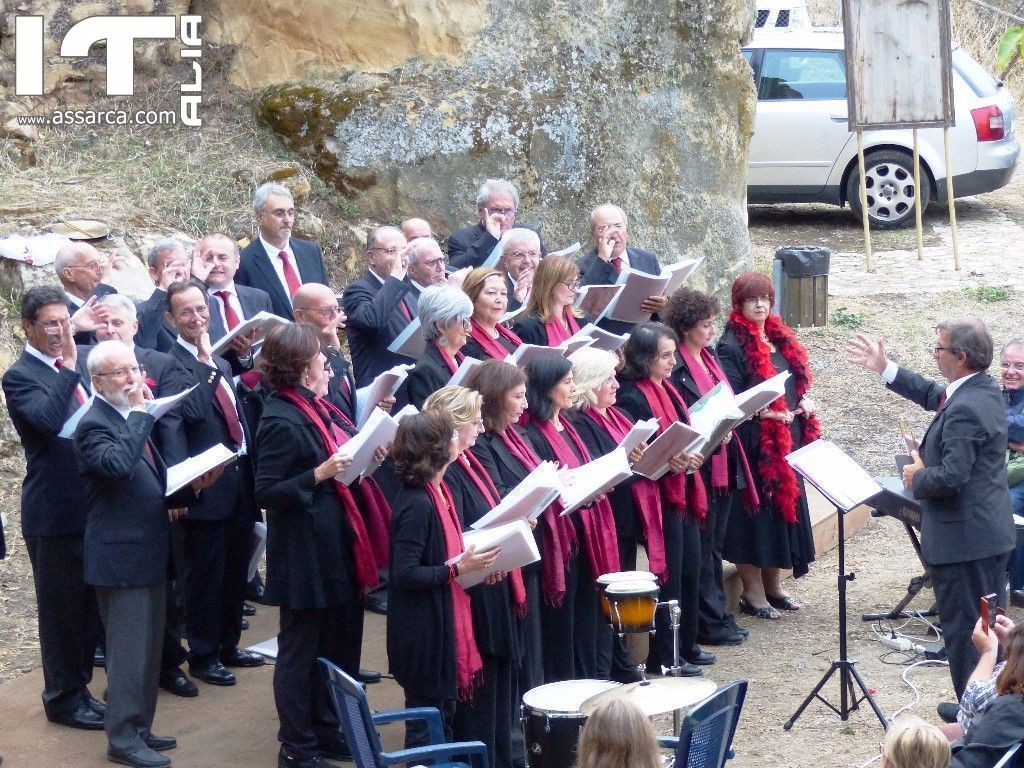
[[552, 720], [631, 605], [606, 580]]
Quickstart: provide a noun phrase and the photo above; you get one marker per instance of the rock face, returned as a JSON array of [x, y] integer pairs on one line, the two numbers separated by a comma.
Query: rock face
[[646, 103]]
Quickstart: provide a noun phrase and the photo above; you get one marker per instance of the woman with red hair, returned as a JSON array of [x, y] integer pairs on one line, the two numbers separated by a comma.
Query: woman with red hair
[[762, 543]]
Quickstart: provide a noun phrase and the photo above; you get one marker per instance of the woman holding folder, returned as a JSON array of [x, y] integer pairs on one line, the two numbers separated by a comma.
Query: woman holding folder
[[646, 392], [444, 313], [488, 337], [431, 643], [550, 316], [490, 714]]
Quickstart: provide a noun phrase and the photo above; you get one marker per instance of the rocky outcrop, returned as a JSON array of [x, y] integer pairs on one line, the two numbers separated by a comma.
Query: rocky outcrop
[[647, 103]]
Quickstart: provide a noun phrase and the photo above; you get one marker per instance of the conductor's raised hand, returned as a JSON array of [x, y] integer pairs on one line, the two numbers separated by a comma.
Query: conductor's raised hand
[[476, 561], [864, 351]]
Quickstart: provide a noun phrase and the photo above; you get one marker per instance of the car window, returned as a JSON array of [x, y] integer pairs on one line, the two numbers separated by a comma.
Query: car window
[[981, 81], [788, 74]]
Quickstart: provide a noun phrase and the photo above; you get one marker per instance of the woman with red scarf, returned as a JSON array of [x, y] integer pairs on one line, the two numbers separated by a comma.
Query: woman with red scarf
[[489, 716], [488, 338], [645, 393], [321, 556], [757, 345], [432, 650], [444, 313], [577, 639], [691, 314], [550, 316]]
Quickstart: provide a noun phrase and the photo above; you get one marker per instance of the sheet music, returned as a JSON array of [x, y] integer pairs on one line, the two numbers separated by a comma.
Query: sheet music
[[379, 430], [833, 472], [518, 548], [161, 405], [594, 478], [759, 397], [464, 371], [527, 500], [567, 251], [526, 352], [638, 434], [262, 321], [196, 466], [596, 300], [511, 315], [603, 339], [677, 438], [68, 430], [410, 342], [385, 385]]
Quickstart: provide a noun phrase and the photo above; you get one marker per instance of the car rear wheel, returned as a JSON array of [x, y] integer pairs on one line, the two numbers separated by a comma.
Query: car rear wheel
[[890, 189]]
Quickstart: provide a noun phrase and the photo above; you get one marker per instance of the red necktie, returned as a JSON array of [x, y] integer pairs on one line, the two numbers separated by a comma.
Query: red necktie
[[404, 309], [79, 395], [942, 402], [149, 453], [290, 275], [616, 262], [230, 414], [230, 316]]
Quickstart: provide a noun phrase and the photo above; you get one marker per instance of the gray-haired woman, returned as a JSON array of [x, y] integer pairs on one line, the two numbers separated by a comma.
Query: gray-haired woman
[[444, 313]]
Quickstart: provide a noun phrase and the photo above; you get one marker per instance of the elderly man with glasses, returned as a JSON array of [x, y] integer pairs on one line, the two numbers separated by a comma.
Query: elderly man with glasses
[[497, 201], [79, 268], [520, 257]]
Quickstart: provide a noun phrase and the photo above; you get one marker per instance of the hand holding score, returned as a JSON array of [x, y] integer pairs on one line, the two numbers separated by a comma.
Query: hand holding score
[[472, 560], [336, 463]]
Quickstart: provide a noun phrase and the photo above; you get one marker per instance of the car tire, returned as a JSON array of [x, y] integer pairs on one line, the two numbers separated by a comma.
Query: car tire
[[890, 189]]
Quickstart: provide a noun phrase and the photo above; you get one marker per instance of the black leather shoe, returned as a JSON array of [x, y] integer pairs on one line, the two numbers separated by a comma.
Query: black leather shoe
[[702, 658], [139, 758], [99, 658], [686, 669], [83, 717], [177, 682], [161, 743], [336, 750], [725, 637], [377, 605], [286, 760], [243, 624], [213, 673], [947, 711], [236, 657], [368, 676], [95, 704], [248, 609]]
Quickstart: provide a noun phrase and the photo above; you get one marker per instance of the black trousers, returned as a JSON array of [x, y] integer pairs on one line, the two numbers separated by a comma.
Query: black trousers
[[304, 710], [958, 587], [577, 639], [173, 653], [69, 620], [416, 734], [682, 555], [489, 716], [714, 619]]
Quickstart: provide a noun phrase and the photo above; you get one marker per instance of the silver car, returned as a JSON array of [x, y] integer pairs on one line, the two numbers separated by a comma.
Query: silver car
[[802, 152]]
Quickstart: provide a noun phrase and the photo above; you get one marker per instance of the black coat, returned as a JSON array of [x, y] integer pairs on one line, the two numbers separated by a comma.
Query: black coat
[[309, 542], [429, 375], [101, 290], [419, 600], [374, 321], [504, 468], [154, 330], [39, 400], [127, 536], [344, 397], [166, 374], [256, 270], [992, 733], [531, 330], [470, 246], [596, 271]]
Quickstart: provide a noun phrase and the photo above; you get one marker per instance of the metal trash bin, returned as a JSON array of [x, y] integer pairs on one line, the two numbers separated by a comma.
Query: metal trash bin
[[801, 284]]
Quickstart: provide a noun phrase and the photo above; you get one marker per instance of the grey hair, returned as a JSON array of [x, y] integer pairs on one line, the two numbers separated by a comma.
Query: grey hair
[[162, 246], [416, 244], [102, 353], [519, 235], [495, 185], [971, 337], [374, 236], [1014, 344], [442, 304], [593, 213], [590, 367], [64, 258], [119, 301], [265, 190]]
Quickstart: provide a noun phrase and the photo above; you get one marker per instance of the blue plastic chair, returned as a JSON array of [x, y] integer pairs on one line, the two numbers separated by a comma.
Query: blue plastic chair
[[705, 739], [359, 726]]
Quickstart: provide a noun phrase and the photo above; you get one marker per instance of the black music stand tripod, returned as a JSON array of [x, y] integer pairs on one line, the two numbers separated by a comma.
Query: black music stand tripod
[[846, 667]]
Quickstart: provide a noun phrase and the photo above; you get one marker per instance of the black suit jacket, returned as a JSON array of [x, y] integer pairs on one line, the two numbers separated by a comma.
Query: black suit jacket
[[127, 536], [154, 330], [429, 375], [257, 271], [470, 246], [205, 426], [40, 399], [965, 504], [374, 321], [510, 288], [336, 390], [596, 271], [101, 290], [166, 374]]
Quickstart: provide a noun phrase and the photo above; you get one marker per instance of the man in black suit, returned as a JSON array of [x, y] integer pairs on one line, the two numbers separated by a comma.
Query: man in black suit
[[959, 477], [275, 261], [79, 268], [43, 389], [317, 305], [604, 264], [520, 257], [168, 263], [127, 547], [378, 305], [218, 528], [496, 204]]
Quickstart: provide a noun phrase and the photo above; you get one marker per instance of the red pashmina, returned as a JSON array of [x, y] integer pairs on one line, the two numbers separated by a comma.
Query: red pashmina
[[489, 344], [557, 333], [467, 656], [451, 363]]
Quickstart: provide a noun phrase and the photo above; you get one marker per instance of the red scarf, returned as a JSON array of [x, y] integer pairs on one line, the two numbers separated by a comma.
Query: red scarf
[[482, 481], [684, 491], [646, 498], [467, 658], [557, 333], [363, 550], [451, 363], [778, 480], [720, 458], [489, 344], [557, 533], [597, 519]]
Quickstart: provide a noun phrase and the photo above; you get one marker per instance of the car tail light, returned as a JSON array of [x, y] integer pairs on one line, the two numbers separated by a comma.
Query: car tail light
[[988, 123]]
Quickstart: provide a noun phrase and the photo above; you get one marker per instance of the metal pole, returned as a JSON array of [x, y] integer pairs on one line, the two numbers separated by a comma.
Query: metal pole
[[917, 199], [864, 199], [949, 198]]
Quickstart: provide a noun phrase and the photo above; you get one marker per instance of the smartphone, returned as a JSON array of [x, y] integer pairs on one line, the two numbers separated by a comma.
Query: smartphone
[[988, 615]]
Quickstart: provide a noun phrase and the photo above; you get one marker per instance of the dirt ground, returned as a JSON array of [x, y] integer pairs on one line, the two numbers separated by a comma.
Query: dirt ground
[[783, 660]]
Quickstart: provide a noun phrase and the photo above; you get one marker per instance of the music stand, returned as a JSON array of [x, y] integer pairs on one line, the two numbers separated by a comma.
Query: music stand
[[824, 473]]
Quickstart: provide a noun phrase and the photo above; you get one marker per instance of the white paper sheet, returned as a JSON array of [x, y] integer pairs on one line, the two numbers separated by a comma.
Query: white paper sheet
[[463, 372], [593, 478], [518, 548], [410, 342], [379, 430], [68, 430], [676, 439], [195, 466], [159, 406], [385, 385], [527, 500], [845, 482], [638, 434], [596, 300], [261, 321], [603, 339], [257, 546]]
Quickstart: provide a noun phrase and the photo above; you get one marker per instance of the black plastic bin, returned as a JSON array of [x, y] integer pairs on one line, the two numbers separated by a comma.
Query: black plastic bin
[[801, 282]]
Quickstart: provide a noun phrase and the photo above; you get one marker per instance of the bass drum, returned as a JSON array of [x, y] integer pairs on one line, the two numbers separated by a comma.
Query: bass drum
[[552, 720]]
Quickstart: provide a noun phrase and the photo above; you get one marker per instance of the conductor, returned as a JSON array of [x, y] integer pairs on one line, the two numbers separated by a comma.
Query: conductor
[[959, 476]]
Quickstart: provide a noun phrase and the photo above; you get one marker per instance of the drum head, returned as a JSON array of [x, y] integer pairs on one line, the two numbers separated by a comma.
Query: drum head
[[565, 696], [631, 589], [611, 578]]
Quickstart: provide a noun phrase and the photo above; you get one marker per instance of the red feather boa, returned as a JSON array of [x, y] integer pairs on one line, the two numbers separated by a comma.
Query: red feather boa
[[777, 477]]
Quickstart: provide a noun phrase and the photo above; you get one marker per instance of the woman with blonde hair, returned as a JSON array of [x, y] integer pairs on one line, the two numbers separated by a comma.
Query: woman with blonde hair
[[551, 316], [910, 742], [488, 338], [618, 735]]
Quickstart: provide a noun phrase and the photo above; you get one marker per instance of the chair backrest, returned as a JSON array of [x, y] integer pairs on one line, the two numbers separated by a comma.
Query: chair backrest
[[1012, 758], [353, 711], [708, 728]]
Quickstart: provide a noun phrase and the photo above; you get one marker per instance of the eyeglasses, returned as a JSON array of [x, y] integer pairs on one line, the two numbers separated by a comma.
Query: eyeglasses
[[326, 312], [502, 211], [90, 265], [520, 255], [754, 300], [938, 348], [440, 261], [121, 373], [467, 324], [388, 251], [1019, 367], [620, 227], [55, 326], [572, 285]]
